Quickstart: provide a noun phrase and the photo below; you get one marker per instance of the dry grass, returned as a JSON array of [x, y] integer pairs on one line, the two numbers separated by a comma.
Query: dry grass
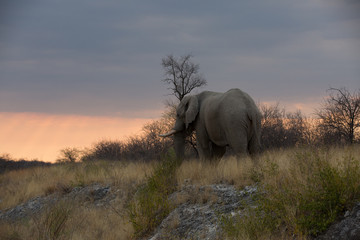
[[274, 168], [19, 186], [296, 165], [229, 170], [99, 224], [306, 189], [71, 220]]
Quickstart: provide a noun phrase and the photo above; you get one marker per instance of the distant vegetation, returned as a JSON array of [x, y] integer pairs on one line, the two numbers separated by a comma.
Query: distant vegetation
[[146, 147], [337, 122], [8, 164]]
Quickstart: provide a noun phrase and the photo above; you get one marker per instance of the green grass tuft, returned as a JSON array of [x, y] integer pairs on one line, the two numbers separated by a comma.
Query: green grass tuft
[[299, 198], [150, 204], [327, 193]]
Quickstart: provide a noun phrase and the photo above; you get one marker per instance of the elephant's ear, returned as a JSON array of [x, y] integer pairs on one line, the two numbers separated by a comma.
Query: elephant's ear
[[192, 110]]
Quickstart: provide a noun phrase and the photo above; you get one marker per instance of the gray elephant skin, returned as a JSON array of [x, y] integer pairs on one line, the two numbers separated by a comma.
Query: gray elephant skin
[[220, 120]]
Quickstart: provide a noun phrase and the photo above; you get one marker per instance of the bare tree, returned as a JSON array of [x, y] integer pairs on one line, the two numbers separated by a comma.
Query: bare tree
[[182, 75], [68, 155], [105, 150], [341, 113], [156, 146]]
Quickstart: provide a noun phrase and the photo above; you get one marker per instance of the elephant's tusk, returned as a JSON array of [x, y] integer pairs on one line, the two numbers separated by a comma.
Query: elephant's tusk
[[173, 131]]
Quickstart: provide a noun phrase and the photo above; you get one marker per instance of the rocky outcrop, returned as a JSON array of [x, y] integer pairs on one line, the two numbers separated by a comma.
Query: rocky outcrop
[[196, 215], [346, 229], [93, 194], [199, 209], [29, 208]]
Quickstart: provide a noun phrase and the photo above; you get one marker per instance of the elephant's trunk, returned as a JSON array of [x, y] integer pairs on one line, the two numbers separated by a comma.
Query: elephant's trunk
[[179, 138], [179, 144]]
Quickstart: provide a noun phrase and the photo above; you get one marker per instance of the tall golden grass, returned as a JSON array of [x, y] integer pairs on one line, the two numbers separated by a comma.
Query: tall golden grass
[[81, 222], [304, 191], [19, 186], [228, 170], [272, 168]]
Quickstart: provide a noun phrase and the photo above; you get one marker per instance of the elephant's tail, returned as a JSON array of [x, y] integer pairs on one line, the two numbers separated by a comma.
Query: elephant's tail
[[255, 133]]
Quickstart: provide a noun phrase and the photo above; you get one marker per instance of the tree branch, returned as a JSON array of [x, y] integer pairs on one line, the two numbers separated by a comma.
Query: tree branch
[[182, 74]]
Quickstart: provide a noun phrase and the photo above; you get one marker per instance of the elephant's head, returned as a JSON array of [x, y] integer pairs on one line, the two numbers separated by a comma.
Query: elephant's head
[[186, 113]]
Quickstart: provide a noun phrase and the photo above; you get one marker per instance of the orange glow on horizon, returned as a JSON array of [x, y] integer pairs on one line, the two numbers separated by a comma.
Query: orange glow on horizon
[[42, 136], [308, 107]]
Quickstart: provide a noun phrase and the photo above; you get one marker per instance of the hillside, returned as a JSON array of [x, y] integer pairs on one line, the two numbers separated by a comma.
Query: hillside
[[304, 189]]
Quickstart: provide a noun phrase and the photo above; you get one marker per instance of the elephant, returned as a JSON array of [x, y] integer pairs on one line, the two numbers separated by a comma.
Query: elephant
[[220, 120]]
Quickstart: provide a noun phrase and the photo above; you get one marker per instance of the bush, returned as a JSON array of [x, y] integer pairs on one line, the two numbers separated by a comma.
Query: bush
[[69, 155], [150, 204], [327, 193], [53, 223], [281, 129], [301, 198], [9, 164], [105, 150], [145, 147]]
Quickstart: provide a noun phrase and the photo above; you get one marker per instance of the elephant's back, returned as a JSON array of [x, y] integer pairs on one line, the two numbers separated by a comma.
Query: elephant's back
[[239, 96], [235, 108], [236, 99], [231, 105]]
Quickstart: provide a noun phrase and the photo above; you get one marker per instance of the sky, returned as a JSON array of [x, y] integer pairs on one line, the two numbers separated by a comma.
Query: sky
[[75, 72]]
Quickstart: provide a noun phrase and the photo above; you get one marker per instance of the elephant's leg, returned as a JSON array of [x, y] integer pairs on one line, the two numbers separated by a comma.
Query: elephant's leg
[[254, 146], [218, 151], [204, 153], [238, 141], [203, 144]]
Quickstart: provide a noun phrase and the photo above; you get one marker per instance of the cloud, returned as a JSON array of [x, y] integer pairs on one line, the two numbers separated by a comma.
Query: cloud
[[104, 57]]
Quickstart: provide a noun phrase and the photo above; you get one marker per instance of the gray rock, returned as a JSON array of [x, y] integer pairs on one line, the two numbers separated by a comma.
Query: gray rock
[[100, 192], [197, 215], [93, 194], [346, 229], [198, 209], [31, 207]]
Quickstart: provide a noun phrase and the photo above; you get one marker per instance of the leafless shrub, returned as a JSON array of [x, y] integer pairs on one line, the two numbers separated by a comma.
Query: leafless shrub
[[69, 155], [284, 129], [340, 115], [147, 146], [273, 130], [105, 150]]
